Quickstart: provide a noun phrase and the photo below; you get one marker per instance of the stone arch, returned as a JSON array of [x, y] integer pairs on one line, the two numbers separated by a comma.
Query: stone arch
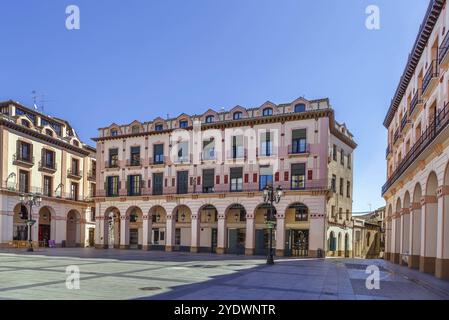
[[340, 244], [297, 233], [261, 230], [73, 233], [429, 227], [133, 227], [47, 225], [182, 231], [406, 220], [207, 235], [415, 219], [158, 217], [20, 228], [112, 230], [332, 245], [397, 230], [235, 235]]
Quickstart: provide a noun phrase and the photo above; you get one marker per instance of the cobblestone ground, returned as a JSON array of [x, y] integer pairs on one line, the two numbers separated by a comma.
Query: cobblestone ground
[[125, 274]]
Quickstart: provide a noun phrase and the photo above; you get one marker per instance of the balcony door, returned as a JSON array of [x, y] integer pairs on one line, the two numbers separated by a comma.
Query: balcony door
[[183, 182], [158, 183]]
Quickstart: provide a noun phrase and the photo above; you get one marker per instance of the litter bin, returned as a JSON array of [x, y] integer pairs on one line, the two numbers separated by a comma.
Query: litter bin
[[320, 253], [63, 243]]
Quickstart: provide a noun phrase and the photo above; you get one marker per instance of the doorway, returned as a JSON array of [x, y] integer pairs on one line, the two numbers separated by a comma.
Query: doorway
[[133, 238]]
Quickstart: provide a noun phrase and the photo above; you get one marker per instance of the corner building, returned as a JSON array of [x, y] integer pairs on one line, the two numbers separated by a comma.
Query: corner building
[[193, 183], [417, 186], [42, 155]]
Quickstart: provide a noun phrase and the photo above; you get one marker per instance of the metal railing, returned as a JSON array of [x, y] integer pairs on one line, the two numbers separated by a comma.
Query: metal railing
[[91, 174], [396, 136], [47, 165], [74, 172], [19, 158], [298, 149], [444, 48], [388, 151], [133, 162], [417, 99], [440, 122], [405, 120], [431, 73]]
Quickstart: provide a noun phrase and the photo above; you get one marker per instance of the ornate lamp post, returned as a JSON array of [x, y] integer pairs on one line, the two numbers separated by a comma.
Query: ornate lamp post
[[30, 200], [271, 196]]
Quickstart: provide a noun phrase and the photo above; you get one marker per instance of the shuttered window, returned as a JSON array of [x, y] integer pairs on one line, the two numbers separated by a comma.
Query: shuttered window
[[298, 175]]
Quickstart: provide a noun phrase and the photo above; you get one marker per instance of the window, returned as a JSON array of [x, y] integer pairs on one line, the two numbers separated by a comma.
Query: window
[[298, 176], [135, 156], [158, 127], [349, 161], [348, 215], [92, 190], [341, 186], [209, 150], [135, 129], [237, 115], [177, 237], [26, 123], [48, 159], [333, 211], [301, 107], [112, 186], [267, 112], [183, 124], [236, 179], [114, 133], [24, 179], [76, 143], [348, 189], [301, 213], [340, 213], [158, 153], [208, 180], [133, 217], [342, 157], [334, 152], [24, 151], [158, 183], [92, 214], [266, 145], [134, 185], [48, 186], [74, 191], [182, 182], [237, 147], [183, 148], [334, 183], [210, 119], [74, 169], [113, 158], [48, 132], [299, 141], [265, 177]]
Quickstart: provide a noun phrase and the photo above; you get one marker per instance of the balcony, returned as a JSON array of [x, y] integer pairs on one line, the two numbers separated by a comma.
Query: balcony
[[440, 123], [397, 137], [405, 123], [74, 173], [388, 153], [430, 79], [183, 160], [443, 57], [46, 166], [417, 103], [237, 154], [92, 175], [157, 161], [20, 160], [112, 165], [133, 162], [299, 150]]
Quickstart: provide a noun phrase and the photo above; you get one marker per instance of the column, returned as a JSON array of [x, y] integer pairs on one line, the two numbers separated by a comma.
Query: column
[[442, 261], [415, 235], [195, 230], [428, 230], [387, 238], [249, 240], [100, 232], [280, 235], [146, 229], [124, 232], [405, 236], [221, 233], [170, 232], [397, 237]]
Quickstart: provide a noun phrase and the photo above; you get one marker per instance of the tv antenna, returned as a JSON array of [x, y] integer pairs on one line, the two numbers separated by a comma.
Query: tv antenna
[[38, 101]]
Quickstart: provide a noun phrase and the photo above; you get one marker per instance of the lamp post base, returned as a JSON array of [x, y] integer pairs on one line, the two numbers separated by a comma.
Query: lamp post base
[[30, 250], [270, 260]]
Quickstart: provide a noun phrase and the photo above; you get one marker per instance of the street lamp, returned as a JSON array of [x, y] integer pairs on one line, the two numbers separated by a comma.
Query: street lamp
[[271, 196], [30, 200]]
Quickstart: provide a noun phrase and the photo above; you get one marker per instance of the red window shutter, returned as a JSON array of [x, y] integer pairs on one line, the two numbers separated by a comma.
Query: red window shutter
[[255, 177], [217, 180], [198, 181], [276, 177], [310, 175], [246, 178], [286, 176], [226, 179]]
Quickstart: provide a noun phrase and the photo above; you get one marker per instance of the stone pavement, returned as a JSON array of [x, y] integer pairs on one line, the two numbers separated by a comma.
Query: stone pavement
[[128, 274]]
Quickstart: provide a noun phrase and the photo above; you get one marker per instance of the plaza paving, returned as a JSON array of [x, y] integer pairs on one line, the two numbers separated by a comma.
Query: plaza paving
[[126, 274]]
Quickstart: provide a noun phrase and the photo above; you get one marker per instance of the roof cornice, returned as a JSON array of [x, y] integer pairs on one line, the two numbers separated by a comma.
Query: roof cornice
[[430, 19]]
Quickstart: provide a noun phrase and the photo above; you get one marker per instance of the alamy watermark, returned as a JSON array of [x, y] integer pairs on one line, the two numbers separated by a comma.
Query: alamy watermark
[[372, 22], [373, 280], [73, 20], [72, 281]]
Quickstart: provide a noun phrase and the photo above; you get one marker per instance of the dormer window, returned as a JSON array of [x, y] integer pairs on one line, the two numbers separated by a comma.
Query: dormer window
[[135, 129], [183, 124], [48, 132], [210, 119], [114, 133], [267, 112], [158, 127], [300, 107], [76, 143], [237, 115], [26, 123]]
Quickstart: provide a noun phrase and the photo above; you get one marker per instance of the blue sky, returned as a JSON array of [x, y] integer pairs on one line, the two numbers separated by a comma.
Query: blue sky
[[141, 59]]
